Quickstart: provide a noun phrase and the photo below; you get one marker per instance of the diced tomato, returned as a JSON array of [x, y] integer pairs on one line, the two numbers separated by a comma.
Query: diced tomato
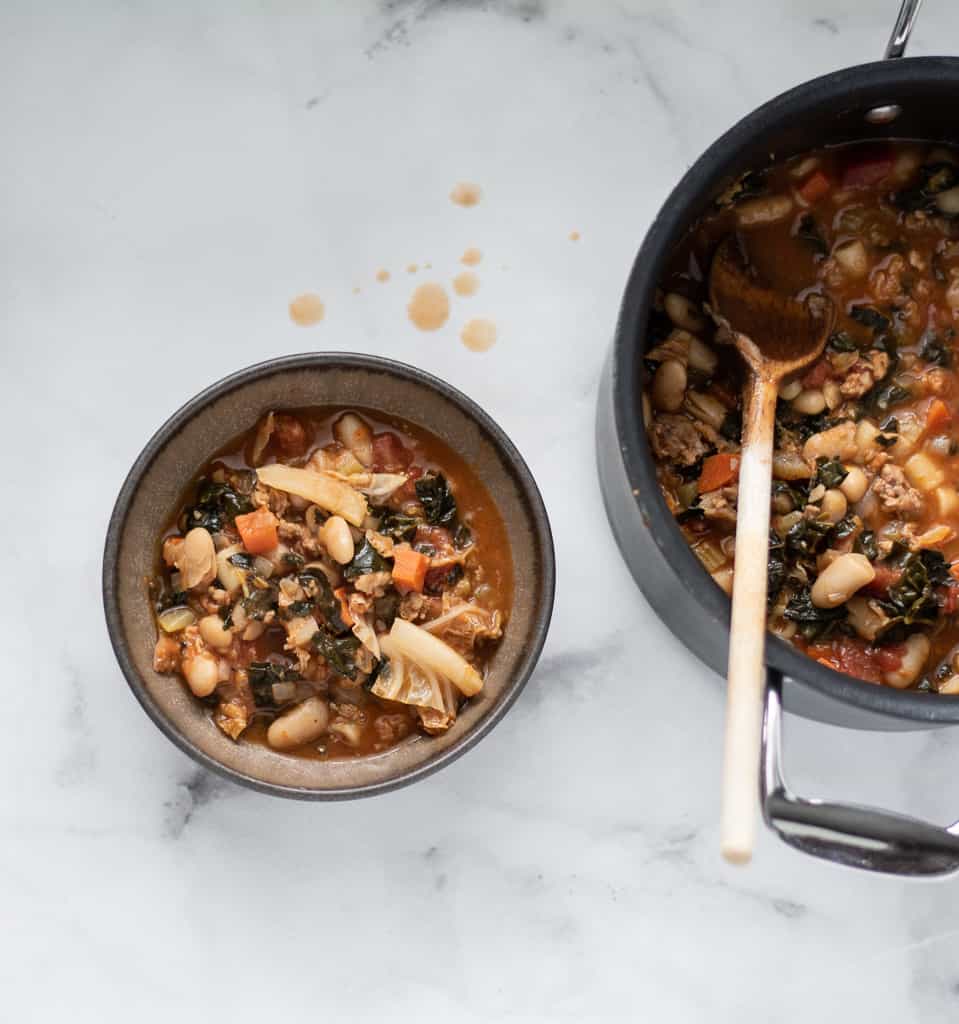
[[289, 434], [886, 576], [852, 656], [937, 416], [342, 595], [390, 455], [818, 375], [408, 491], [814, 187], [869, 167]]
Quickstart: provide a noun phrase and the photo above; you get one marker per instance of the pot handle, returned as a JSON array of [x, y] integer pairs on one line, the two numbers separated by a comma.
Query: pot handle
[[901, 31], [862, 837]]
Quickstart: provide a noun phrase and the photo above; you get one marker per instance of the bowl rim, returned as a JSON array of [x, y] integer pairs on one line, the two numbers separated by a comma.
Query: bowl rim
[[864, 81], [512, 459]]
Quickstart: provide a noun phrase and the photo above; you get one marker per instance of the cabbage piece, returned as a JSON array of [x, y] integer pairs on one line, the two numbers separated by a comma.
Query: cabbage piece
[[433, 655], [433, 696], [322, 489]]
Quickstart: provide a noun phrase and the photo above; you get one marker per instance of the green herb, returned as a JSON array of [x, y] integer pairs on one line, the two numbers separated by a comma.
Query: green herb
[[374, 675], [883, 397], [814, 623], [366, 560], [260, 601], [829, 473], [462, 537], [839, 341], [320, 592], [262, 675], [168, 598], [912, 598], [397, 525], [215, 506], [870, 317], [437, 499], [865, 544], [775, 568], [241, 560], [933, 179], [338, 651], [808, 538], [292, 560], [935, 351]]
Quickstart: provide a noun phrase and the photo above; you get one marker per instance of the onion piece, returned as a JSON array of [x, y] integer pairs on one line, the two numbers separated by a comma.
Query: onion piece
[[319, 488], [174, 619], [432, 654]]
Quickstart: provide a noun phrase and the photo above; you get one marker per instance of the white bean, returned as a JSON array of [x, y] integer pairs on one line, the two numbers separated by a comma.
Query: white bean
[[950, 685], [833, 505], [841, 579], [706, 408], [765, 210], [832, 393], [864, 619], [917, 650], [701, 356], [788, 390], [669, 386], [855, 484], [214, 632], [948, 201], [683, 312], [196, 559], [852, 258], [837, 442], [202, 673], [336, 537], [356, 436], [790, 466], [302, 724], [810, 402], [923, 472]]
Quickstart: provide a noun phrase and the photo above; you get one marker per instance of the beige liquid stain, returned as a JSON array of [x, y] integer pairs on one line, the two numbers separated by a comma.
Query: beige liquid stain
[[471, 257], [357, 290], [412, 268], [306, 310], [465, 193], [466, 283], [382, 276], [479, 335], [429, 307], [574, 236]]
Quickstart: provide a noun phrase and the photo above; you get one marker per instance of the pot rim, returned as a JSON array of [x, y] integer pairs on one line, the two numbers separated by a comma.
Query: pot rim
[[873, 82], [321, 360]]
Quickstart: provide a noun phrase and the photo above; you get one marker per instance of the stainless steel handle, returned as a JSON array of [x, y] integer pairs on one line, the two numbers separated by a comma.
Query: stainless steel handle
[[862, 837], [901, 31]]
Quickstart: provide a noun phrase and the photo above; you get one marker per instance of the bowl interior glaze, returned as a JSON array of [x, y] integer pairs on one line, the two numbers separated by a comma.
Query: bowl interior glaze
[[186, 442]]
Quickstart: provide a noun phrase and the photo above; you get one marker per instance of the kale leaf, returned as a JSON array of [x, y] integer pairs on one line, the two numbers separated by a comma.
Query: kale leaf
[[870, 317], [839, 341], [215, 506], [933, 179], [397, 525], [320, 596], [808, 231], [260, 600], [814, 623], [829, 473], [775, 568], [437, 499], [262, 675], [367, 559], [338, 651]]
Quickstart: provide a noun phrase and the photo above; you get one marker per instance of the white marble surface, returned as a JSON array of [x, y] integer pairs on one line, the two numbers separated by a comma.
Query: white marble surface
[[170, 177]]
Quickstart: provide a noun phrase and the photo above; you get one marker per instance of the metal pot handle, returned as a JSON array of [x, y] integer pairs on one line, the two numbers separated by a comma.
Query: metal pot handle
[[862, 837], [899, 39]]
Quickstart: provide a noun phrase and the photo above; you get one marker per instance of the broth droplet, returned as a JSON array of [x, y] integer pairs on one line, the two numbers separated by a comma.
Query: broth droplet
[[306, 309], [479, 335], [471, 257], [429, 307], [465, 193], [382, 276], [466, 283], [574, 236], [412, 268]]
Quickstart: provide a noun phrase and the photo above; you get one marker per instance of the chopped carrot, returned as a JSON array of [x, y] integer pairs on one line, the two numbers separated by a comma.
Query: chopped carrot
[[409, 568], [814, 187], [345, 615], [258, 531], [937, 415], [718, 470]]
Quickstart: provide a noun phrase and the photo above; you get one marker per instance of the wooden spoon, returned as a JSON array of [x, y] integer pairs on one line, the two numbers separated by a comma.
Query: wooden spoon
[[776, 335]]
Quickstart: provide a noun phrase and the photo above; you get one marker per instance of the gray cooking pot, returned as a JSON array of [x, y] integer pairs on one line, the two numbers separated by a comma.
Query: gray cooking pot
[[890, 99]]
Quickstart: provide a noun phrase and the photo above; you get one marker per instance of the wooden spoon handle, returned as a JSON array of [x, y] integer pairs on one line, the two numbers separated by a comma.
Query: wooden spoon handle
[[747, 638]]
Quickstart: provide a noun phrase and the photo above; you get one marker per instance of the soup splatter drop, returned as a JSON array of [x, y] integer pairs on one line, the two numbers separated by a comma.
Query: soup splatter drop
[[479, 335], [382, 276], [307, 309], [466, 283], [466, 193], [471, 257], [429, 306]]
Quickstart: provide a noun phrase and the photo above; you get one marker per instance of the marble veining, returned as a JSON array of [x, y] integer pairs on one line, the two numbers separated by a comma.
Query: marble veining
[[171, 177]]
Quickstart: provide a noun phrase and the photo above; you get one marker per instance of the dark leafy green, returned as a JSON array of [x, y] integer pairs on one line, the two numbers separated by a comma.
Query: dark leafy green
[[829, 472], [912, 598], [260, 600], [934, 350], [386, 607], [814, 623], [808, 230], [884, 397], [839, 341], [398, 525], [262, 675], [437, 499], [775, 567], [932, 179], [319, 591], [752, 183], [215, 506], [367, 559], [462, 537], [732, 426], [870, 317], [339, 651]]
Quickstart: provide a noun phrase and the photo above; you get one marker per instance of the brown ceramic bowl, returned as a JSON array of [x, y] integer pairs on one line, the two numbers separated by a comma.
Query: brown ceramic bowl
[[186, 441]]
